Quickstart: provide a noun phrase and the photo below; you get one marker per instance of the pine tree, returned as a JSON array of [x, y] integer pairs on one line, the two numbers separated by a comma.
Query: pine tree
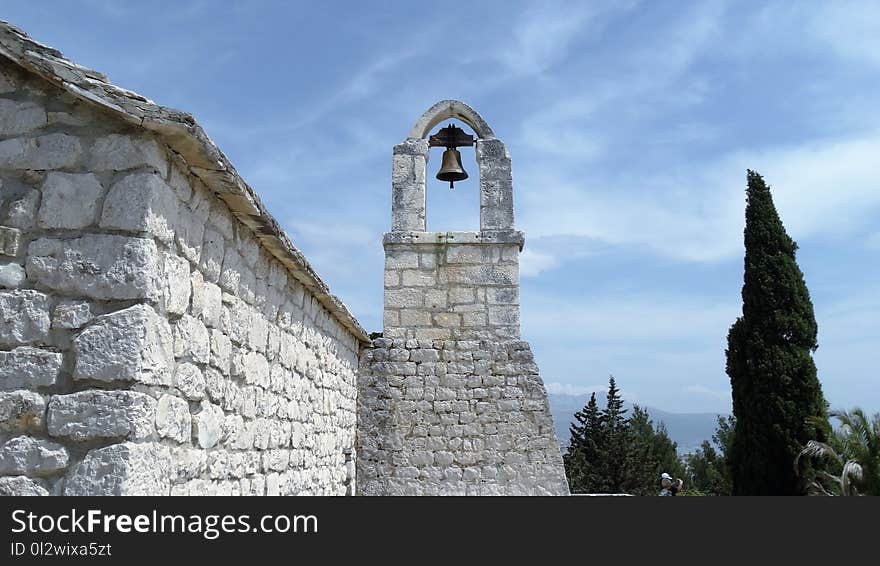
[[613, 441], [583, 453], [769, 357]]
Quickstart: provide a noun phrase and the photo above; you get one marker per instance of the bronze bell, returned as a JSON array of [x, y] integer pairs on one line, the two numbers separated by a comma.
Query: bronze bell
[[451, 169]]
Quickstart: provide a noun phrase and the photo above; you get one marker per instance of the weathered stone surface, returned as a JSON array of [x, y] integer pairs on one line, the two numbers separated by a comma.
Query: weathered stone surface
[[177, 284], [20, 117], [71, 314], [173, 419], [22, 212], [52, 151], [25, 367], [12, 275], [118, 152], [133, 344], [207, 303], [141, 202], [70, 200], [207, 425], [122, 469], [101, 414], [191, 339], [21, 486], [25, 455], [98, 266], [10, 241], [190, 381], [24, 317], [21, 411]]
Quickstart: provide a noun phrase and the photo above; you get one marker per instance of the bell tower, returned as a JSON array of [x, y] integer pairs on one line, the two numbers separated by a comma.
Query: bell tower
[[450, 398]]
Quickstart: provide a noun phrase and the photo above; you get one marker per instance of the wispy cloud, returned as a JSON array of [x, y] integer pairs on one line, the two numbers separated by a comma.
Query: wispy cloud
[[556, 388], [702, 390]]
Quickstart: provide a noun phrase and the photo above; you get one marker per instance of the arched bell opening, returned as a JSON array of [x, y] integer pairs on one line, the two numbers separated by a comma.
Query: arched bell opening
[[409, 179], [452, 179]]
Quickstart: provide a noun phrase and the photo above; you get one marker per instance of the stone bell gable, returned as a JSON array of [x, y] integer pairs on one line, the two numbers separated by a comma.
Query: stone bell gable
[[450, 400]]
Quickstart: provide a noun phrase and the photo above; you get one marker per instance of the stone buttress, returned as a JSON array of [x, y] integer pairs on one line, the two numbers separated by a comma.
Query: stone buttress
[[450, 401]]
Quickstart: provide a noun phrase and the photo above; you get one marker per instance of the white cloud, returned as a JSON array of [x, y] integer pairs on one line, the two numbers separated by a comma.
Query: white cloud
[[556, 388], [532, 263], [542, 35], [696, 213], [702, 390]]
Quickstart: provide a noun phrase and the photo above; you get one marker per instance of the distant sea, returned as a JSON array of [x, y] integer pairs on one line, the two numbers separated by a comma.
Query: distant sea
[[688, 430]]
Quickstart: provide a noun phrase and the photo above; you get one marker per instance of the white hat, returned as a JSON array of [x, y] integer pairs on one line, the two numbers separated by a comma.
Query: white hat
[[665, 476]]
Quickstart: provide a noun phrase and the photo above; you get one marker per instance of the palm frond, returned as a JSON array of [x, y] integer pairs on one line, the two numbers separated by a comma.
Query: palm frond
[[816, 449]]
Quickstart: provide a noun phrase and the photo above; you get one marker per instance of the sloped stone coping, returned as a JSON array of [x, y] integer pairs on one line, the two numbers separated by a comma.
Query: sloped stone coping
[[183, 134]]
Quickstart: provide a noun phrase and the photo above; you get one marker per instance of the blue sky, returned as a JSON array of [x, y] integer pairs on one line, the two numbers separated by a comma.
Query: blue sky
[[630, 124]]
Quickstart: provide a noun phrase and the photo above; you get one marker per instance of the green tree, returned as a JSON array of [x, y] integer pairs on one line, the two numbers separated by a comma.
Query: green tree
[[583, 453], [853, 454], [707, 468], [613, 441], [776, 394], [650, 452]]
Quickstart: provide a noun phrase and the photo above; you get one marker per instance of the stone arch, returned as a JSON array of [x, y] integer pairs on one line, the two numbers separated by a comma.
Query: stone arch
[[410, 164], [447, 109]]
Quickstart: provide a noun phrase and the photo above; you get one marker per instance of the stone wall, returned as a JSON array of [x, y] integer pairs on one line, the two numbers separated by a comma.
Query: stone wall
[[149, 344]]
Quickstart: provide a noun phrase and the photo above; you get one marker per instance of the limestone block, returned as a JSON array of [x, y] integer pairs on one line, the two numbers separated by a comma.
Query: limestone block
[[118, 152], [192, 340], [504, 315], [21, 486], [98, 266], [21, 410], [67, 118], [404, 298], [96, 413], [221, 351], [132, 344], [71, 314], [10, 240], [20, 117], [502, 295], [12, 275], [252, 367], [418, 278], [141, 202], [70, 200], [52, 151], [190, 381], [401, 259], [177, 284], [211, 260], [25, 368], [24, 455], [466, 254], [24, 317], [207, 425], [173, 419], [411, 317], [122, 469], [22, 211], [7, 83], [189, 233]]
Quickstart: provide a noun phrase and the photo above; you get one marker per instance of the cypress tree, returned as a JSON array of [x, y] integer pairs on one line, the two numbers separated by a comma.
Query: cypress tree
[[769, 357]]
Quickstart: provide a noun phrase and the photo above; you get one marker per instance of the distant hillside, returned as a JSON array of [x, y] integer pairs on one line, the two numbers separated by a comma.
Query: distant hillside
[[688, 430]]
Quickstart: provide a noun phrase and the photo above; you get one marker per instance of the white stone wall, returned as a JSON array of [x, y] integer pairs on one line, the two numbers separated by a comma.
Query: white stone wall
[[148, 343], [455, 417], [452, 286]]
